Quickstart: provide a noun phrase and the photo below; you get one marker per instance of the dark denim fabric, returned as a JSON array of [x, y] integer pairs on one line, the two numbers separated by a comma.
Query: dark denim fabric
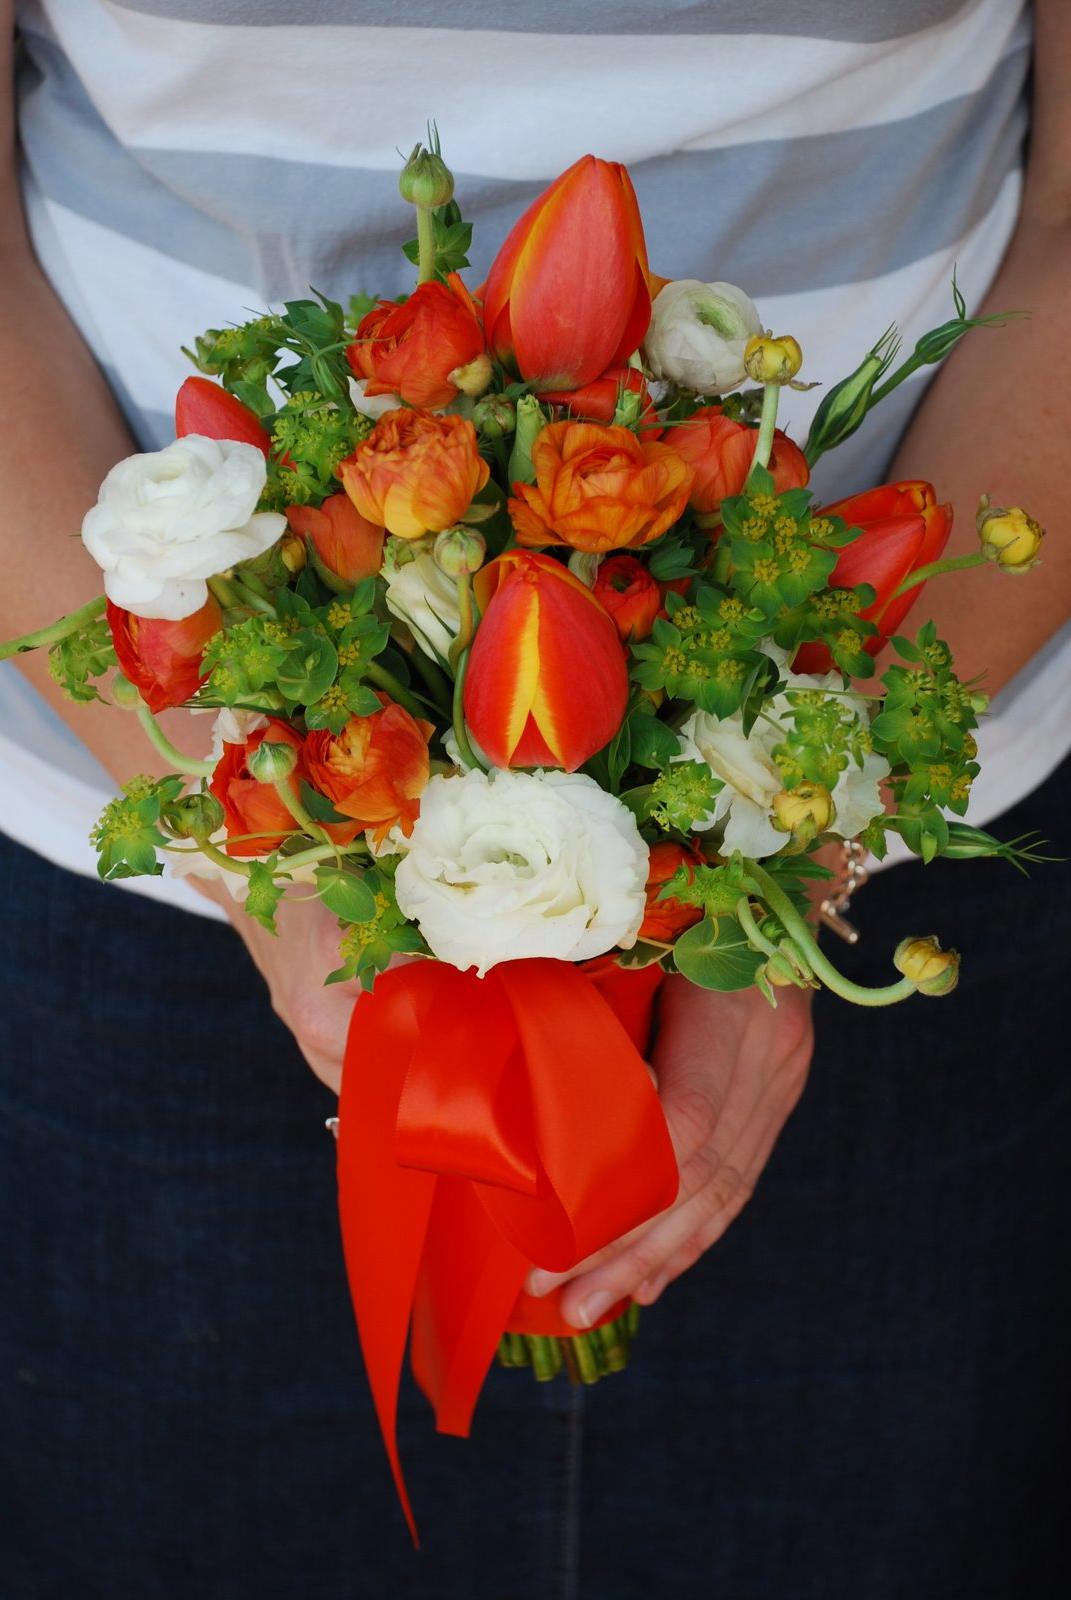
[[860, 1394]]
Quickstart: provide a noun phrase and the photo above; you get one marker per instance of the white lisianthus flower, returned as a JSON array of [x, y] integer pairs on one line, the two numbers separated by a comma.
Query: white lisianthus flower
[[513, 864], [697, 335], [751, 777], [420, 594], [167, 520]]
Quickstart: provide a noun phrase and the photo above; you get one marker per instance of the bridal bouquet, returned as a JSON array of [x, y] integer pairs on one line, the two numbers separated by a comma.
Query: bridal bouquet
[[530, 656]]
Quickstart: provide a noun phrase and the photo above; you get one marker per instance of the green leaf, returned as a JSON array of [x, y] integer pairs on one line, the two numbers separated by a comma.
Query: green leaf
[[308, 670], [264, 893], [717, 956], [345, 893], [654, 744], [319, 806]]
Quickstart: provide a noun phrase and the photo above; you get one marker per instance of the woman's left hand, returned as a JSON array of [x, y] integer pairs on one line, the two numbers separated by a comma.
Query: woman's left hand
[[730, 1070]]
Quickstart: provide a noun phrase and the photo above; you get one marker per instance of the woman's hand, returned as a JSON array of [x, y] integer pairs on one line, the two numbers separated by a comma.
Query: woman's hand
[[730, 1071]]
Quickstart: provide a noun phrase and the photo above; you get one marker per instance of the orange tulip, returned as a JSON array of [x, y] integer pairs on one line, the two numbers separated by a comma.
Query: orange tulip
[[347, 544], [410, 349], [547, 683], [415, 473], [567, 294], [163, 659], [599, 489], [903, 529], [633, 599], [375, 770], [665, 919], [721, 451]]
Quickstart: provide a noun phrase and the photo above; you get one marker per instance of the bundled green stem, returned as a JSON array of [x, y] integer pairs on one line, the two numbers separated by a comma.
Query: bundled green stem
[[55, 630]]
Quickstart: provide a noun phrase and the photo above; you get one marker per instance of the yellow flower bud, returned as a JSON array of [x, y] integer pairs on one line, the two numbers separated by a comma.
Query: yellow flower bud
[[473, 378], [770, 360], [293, 552], [931, 969], [1010, 538], [805, 811]]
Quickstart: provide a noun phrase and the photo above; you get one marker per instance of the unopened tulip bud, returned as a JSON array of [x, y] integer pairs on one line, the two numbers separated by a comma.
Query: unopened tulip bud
[[804, 812], [494, 416], [473, 378], [460, 551], [1011, 538], [426, 180], [272, 762], [293, 552], [194, 816], [770, 360], [931, 969]]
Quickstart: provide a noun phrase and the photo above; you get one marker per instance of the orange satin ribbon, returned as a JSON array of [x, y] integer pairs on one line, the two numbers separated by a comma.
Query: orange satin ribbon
[[486, 1125]]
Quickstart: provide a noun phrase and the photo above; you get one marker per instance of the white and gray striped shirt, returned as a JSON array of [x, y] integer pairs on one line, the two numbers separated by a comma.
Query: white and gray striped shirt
[[186, 159]]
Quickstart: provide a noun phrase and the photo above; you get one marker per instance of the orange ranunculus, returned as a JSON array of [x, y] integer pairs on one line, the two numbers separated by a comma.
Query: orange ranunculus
[[904, 528], [250, 807], [599, 489], [375, 770], [567, 294], [546, 684], [411, 349], [597, 401], [163, 659], [415, 473], [627, 591], [665, 919], [347, 544], [721, 452]]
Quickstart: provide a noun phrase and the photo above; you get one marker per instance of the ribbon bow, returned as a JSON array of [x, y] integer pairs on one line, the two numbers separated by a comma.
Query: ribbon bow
[[486, 1125]]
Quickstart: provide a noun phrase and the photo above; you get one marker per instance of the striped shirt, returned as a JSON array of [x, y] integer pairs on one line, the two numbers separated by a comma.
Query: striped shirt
[[187, 160]]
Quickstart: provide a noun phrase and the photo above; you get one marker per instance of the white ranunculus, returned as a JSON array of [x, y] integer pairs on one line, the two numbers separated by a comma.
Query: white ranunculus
[[697, 335], [422, 596], [234, 727], [513, 864], [167, 520], [751, 777]]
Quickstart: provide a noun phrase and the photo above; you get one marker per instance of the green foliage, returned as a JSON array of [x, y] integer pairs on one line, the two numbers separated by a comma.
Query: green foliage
[[453, 237], [825, 734], [128, 833], [682, 795], [702, 651], [264, 893], [716, 955], [80, 656], [311, 435], [369, 943], [346, 893], [715, 890]]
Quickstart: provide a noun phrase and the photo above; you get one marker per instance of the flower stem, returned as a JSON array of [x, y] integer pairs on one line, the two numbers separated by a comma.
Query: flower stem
[[299, 813], [461, 733], [395, 688], [801, 935], [975, 558], [224, 592], [55, 630], [425, 226], [214, 853], [156, 736], [771, 396]]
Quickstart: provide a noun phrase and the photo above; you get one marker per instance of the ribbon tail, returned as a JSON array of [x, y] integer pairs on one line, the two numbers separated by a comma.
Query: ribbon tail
[[384, 1209], [468, 1285]]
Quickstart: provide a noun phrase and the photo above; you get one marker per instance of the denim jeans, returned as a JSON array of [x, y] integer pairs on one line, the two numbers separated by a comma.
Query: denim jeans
[[861, 1393]]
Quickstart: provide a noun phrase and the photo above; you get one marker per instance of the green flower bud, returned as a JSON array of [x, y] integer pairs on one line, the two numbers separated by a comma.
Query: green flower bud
[[126, 697], [460, 551], [530, 424], [426, 180], [272, 762], [494, 416], [932, 970], [194, 816]]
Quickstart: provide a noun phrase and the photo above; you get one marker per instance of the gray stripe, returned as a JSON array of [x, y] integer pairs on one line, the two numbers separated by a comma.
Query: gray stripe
[[815, 212], [856, 21]]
